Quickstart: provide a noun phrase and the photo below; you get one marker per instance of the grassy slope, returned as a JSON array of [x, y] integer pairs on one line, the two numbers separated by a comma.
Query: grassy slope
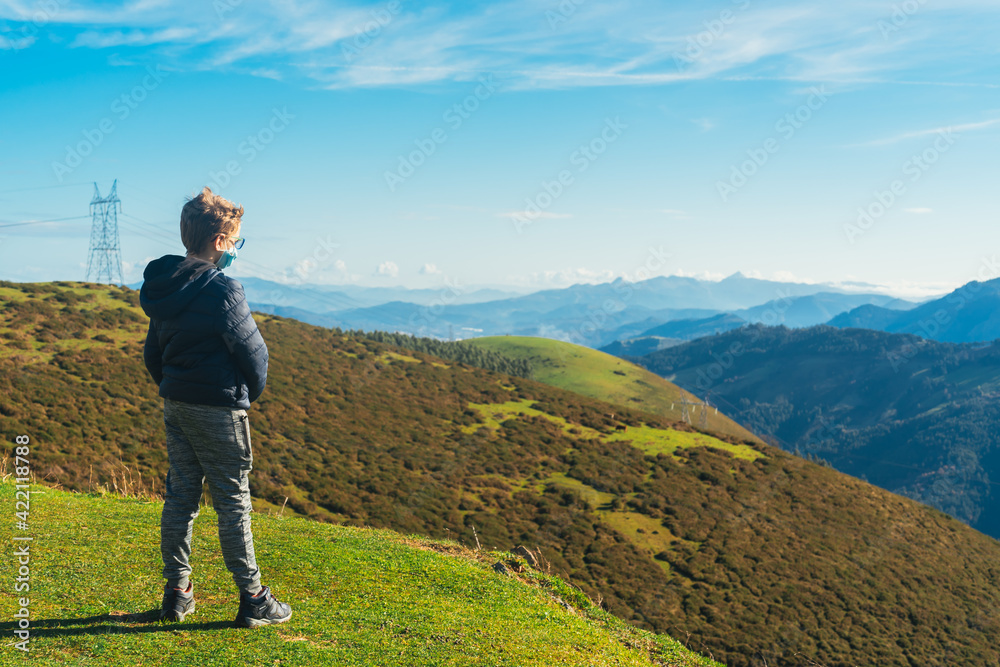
[[603, 376], [752, 557], [360, 597]]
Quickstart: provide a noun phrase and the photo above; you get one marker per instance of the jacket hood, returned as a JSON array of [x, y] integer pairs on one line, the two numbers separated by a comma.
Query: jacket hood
[[172, 282]]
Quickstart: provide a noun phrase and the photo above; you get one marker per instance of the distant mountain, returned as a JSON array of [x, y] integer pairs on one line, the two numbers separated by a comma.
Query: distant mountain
[[322, 299], [640, 345], [866, 317], [587, 314], [425, 296], [307, 316], [970, 314], [691, 329], [798, 311], [594, 315], [656, 318], [916, 417], [807, 311]]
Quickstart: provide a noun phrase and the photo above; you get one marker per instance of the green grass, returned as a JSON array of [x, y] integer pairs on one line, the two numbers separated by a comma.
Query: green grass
[[649, 439], [603, 376], [360, 597]]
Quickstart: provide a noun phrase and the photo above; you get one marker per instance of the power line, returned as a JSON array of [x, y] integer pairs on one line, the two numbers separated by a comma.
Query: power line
[[156, 232], [42, 187], [38, 222]]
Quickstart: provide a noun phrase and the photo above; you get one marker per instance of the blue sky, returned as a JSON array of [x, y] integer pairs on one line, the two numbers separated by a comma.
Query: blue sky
[[527, 144]]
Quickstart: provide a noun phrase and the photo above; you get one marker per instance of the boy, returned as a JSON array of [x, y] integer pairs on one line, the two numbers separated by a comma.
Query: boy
[[206, 354]]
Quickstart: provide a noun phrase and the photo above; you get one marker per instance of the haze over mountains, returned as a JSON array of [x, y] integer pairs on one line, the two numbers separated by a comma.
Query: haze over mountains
[[591, 314], [970, 314]]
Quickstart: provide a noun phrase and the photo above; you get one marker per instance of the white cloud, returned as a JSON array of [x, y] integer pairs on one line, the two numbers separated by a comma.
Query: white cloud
[[132, 271], [618, 42], [387, 269], [100, 40], [562, 278], [946, 130], [310, 271], [699, 275], [789, 277], [704, 123], [429, 269]]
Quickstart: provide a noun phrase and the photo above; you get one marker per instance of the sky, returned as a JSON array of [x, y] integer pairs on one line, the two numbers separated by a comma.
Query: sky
[[525, 144]]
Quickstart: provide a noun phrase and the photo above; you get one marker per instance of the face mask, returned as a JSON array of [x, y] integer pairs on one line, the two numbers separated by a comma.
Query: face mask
[[227, 258]]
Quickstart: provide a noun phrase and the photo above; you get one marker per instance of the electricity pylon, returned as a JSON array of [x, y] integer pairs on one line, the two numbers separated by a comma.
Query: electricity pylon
[[105, 257]]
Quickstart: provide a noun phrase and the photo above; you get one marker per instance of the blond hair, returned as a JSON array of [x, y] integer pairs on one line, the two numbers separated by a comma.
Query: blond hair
[[205, 216]]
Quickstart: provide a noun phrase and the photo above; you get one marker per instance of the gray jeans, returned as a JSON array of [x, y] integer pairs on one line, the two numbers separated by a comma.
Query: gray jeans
[[208, 442]]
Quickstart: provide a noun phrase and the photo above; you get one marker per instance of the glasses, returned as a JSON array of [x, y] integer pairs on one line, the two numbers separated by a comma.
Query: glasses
[[238, 242]]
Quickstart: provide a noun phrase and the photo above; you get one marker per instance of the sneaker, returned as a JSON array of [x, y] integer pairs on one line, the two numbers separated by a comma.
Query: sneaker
[[177, 603], [261, 609]]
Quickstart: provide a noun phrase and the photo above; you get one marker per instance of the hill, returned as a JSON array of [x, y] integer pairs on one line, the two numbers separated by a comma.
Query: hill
[[865, 317], [807, 311], [970, 314], [602, 376], [640, 345], [741, 550], [916, 417], [697, 328], [799, 311], [359, 596]]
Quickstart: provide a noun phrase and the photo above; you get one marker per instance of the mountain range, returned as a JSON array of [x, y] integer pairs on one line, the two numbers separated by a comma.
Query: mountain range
[[970, 314], [590, 314]]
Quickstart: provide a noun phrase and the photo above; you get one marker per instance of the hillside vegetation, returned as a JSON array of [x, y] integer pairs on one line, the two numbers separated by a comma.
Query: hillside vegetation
[[736, 548], [602, 376], [914, 416], [359, 596]]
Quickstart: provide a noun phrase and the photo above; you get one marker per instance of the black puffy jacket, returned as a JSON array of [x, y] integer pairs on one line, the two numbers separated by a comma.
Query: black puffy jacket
[[203, 345]]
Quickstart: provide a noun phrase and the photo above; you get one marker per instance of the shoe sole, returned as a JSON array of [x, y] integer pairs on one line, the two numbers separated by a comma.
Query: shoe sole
[[175, 617], [258, 623]]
